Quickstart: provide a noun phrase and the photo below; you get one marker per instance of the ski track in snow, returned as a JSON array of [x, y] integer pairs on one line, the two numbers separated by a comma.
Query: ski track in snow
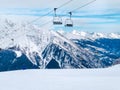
[[66, 79]]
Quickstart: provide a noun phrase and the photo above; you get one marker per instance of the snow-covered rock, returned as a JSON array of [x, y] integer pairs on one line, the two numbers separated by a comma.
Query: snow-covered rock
[[18, 53]]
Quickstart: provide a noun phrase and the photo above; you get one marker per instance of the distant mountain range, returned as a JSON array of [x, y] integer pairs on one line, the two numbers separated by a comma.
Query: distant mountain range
[[25, 46]]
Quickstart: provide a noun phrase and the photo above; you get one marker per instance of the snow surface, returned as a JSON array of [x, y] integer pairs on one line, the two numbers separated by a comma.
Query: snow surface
[[18, 53], [69, 79]]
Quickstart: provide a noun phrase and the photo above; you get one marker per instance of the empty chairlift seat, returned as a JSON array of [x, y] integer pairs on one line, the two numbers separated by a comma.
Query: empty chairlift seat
[[57, 20], [68, 23]]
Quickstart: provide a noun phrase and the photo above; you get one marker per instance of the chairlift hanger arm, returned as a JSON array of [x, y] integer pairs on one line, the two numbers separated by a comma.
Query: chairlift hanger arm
[[70, 14], [55, 9]]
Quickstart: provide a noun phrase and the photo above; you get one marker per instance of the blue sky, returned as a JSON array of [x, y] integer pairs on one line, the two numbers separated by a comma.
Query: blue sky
[[100, 16]]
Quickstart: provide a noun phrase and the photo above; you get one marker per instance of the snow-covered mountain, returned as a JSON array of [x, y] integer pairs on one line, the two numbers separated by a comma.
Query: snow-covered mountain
[[90, 35], [26, 46]]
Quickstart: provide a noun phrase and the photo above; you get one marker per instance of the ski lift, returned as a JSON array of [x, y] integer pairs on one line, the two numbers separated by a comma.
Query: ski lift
[[56, 19], [69, 22]]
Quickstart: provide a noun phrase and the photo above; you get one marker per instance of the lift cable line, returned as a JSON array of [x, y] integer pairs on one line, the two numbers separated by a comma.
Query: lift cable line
[[57, 19], [68, 21], [83, 5], [50, 12], [45, 23], [65, 3], [40, 17]]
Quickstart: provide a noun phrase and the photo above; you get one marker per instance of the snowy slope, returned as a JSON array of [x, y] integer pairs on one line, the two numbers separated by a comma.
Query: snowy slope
[[80, 79]]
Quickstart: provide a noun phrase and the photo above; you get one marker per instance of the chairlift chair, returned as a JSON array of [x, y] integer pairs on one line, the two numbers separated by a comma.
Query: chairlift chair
[[69, 22], [56, 19]]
